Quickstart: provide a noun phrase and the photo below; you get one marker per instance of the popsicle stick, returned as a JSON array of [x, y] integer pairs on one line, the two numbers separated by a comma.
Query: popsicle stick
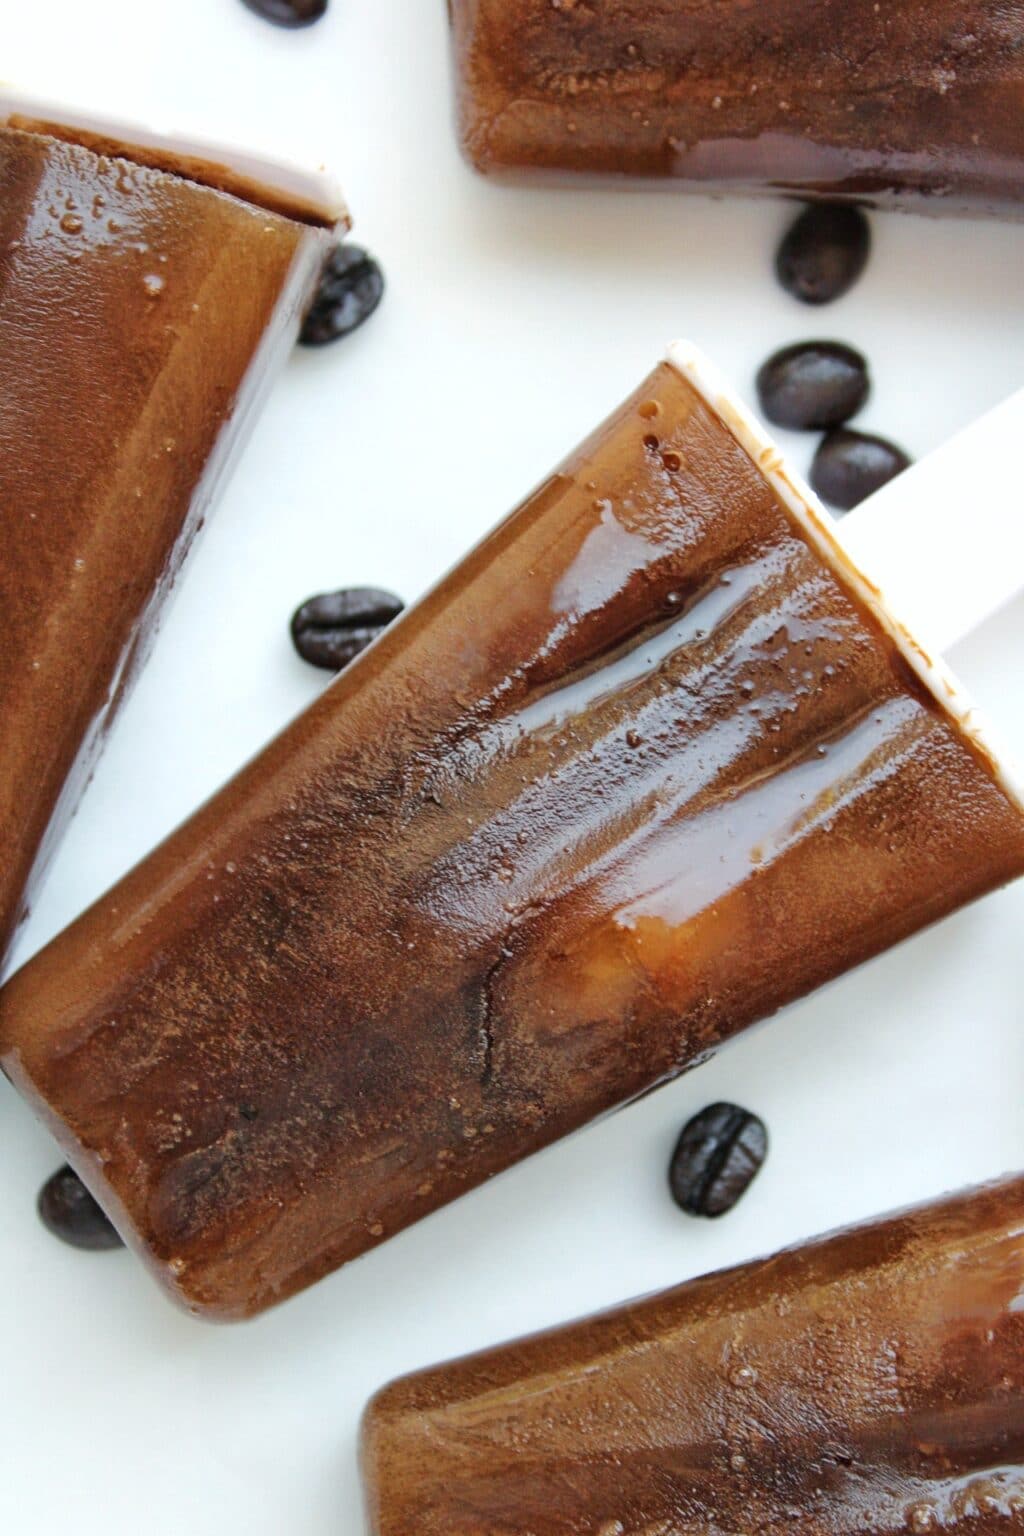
[[945, 540]]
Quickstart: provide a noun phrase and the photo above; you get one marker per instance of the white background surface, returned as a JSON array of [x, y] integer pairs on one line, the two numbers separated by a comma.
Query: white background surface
[[513, 321]]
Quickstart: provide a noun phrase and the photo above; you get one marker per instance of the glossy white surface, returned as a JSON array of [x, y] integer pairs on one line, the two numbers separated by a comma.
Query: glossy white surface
[[514, 320]]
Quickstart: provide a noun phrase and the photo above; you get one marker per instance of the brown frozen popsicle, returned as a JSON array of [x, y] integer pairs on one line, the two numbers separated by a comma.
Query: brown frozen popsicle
[[870, 1382], [142, 311], [649, 764], [917, 105]]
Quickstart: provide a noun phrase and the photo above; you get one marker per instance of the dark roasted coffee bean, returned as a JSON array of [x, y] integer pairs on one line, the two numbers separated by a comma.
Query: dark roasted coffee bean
[[288, 13], [719, 1154], [849, 466], [351, 287], [824, 252], [70, 1213], [814, 384], [331, 630]]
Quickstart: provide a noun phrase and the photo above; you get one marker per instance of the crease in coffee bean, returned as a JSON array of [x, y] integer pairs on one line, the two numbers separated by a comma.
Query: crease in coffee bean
[[331, 629], [719, 1153]]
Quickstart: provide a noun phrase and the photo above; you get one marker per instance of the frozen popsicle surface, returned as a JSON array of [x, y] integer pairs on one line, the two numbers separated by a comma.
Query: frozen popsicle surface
[[140, 314], [871, 1382], [641, 770], [919, 104]]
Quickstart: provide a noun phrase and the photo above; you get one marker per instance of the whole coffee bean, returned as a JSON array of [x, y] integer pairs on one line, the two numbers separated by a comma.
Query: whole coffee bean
[[849, 466], [331, 630], [69, 1211], [351, 287], [719, 1154], [824, 252], [813, 384], [288, 13]]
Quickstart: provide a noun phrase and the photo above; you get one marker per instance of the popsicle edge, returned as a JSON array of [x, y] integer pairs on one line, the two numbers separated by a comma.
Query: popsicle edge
[[822, 532], [282, 186], [373, 1430]]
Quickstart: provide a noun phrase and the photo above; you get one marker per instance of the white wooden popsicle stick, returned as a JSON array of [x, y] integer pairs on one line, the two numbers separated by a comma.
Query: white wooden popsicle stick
[[945, 540]]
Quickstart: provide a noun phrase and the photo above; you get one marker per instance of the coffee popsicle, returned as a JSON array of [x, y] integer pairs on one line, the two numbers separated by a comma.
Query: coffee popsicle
[[872, 1381], [918, 106], [148, 289], [651, 762]]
